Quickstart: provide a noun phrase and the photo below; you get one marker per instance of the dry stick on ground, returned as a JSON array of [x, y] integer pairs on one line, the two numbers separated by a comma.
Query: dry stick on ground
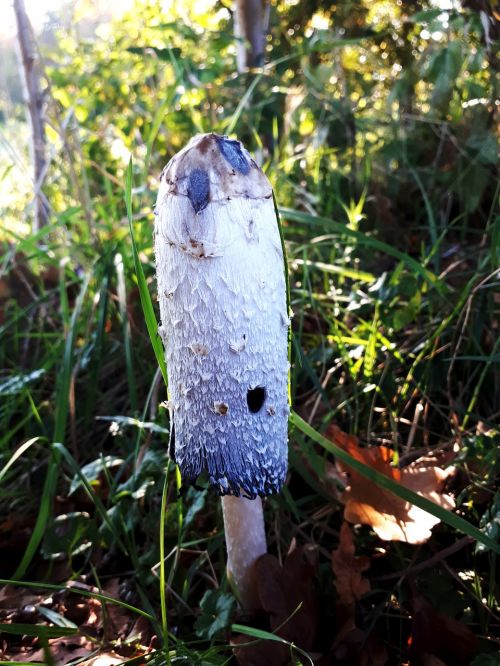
[[413, 569], [222, 292], [34, 95]]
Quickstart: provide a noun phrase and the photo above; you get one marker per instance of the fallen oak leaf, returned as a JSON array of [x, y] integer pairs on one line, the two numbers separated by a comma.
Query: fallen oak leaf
[[12, 598], [352, 645], [287, 596], [392, 518], [348, 567], [118, 618], [62, 650], [436, 636], [356, 647], [283, 589]]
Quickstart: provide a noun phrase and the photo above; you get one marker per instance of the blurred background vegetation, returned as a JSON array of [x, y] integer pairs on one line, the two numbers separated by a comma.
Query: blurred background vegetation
[[376, 122]]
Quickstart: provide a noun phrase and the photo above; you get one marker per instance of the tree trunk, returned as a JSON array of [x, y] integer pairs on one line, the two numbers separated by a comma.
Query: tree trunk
[[34, 100], [250, 26]]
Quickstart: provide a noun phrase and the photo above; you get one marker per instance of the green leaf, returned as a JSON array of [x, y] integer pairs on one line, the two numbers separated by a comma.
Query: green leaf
[[217, 609], [196, 500], [444, 68], [470, 189], [63, 451], [92, 470], [490, 523], [56, 618], [68, 534]]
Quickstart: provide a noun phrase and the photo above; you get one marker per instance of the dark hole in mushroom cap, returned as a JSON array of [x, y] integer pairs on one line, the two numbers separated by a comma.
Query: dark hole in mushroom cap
[[255, 398]]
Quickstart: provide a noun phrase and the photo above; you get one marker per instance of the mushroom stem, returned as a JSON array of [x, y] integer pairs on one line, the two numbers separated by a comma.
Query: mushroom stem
[[246, 542]]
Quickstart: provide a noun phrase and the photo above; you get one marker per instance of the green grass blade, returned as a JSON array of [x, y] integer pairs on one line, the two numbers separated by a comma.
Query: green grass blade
[[28, 244], [433, 232], [100, 334], [122, 306], [146, 303], [363, 239], [49, 488], [63, 388], [394, 487], [167, 104], [267, 636], [23, 663], [233, 121], [163, 582], [17, 454], [62, 404], [37, 630], [360, 276]]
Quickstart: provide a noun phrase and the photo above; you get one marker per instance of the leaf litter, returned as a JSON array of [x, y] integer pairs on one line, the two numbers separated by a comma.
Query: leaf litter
[[336, 625], [391, 518], [104, 638]]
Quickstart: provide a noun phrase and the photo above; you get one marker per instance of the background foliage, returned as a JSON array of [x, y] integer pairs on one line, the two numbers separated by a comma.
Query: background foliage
[[376, 123]]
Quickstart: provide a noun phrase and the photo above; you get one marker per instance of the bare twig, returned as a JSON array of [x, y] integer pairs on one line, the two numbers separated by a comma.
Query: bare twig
[[250, 27], [34, 99], [438, 557]]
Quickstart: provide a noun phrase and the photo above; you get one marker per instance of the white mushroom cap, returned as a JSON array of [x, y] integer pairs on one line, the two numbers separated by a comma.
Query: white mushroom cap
[[221, 286]]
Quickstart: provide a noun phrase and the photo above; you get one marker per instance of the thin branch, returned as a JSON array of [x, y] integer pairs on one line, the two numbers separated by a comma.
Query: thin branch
[[34, 99]]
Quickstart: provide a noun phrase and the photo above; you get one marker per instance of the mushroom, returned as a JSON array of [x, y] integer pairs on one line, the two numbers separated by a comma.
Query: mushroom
[[224, 324]]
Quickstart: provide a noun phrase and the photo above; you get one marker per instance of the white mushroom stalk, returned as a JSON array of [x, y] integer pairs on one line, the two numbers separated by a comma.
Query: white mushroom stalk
[[224, 325]]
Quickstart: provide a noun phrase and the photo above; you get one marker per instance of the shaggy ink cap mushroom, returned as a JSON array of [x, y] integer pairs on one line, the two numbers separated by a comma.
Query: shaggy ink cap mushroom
[[221, 286]]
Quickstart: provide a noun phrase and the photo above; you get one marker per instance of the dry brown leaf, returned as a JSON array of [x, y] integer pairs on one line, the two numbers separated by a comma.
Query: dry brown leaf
[[349, 582], [104, 659], [355, 647], [62, 650], [141, 632], [281, 590], [119, 618], [391, 518], [435, 636], [14, 598], [352, 645]]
